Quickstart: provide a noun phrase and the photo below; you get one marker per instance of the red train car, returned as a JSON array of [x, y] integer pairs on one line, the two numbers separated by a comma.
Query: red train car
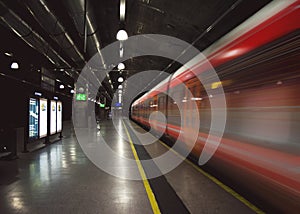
[[258, 64]]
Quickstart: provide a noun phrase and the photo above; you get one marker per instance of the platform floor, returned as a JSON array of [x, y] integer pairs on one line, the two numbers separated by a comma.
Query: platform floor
[[61, 179]]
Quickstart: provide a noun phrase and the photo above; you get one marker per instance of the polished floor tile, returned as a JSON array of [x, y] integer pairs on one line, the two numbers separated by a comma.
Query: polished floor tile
[[61, 179]]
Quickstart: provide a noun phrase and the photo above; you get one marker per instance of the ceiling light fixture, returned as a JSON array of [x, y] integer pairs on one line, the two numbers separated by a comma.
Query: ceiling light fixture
[[122, 35], [14, 65], [120, 87], [61, 86], [120, 79], [81, 90], [121, 66]]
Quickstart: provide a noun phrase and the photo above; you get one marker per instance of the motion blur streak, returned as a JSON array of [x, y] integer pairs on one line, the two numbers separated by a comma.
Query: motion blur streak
[[258, 65]]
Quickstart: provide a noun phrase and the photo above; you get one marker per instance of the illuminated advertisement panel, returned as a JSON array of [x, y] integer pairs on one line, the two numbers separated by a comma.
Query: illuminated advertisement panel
[[53, 117], [43, 117], [33, 118], [59, 116]]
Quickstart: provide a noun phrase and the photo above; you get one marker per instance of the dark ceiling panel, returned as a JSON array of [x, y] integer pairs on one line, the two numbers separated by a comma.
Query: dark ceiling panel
[[187, 20]]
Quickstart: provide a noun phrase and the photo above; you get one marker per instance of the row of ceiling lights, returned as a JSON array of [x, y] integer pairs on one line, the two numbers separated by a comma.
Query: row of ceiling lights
[[62, 86], [15, 66], [121, 36]]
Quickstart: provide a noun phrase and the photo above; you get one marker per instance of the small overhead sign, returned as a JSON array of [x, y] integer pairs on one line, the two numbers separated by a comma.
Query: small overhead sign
[[81, 97], [118, 104]]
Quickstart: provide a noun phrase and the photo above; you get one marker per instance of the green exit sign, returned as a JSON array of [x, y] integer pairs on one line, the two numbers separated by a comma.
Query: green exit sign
[[81, 97], [102, 105]]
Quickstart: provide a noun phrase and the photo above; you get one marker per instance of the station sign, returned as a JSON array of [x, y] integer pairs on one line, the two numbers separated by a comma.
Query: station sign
[[118, 104], [80, 97]]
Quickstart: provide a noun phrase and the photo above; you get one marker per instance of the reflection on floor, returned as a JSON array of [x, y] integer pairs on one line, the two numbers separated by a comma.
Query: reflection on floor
[[61, 179]]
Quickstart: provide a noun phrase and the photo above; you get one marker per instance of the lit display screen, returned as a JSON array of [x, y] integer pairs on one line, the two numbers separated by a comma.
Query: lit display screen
[[43, 117], [53, 117], [59, 116], [33, 118]]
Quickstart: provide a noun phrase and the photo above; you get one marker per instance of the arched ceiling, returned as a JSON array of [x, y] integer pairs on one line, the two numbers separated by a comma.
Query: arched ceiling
[[187, 20]]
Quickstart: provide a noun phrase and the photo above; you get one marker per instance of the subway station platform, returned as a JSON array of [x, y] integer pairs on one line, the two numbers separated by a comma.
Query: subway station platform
[[219, 77], [61, 179]]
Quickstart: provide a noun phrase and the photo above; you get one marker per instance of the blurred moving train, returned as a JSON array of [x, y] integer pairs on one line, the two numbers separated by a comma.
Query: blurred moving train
[[258, 64]]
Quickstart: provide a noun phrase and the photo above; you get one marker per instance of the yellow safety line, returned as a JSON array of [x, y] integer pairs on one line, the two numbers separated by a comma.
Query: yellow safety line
[[149, 191], [219, 183]]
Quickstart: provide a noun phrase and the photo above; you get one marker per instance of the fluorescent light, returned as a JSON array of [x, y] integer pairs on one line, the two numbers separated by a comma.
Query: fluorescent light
[[196, 98], [14, 65], [58, 80], [120, 79], [38, 94], [8, 54], [122, 10], [121, 66], [122, 35], [61, 86], [56, 98]]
